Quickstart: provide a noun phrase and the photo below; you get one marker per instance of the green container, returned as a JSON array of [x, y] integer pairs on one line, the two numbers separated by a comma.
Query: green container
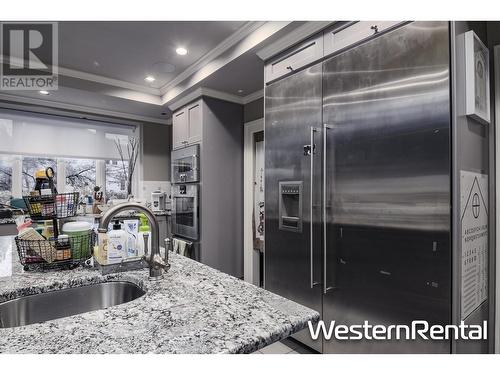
[[80, 238]]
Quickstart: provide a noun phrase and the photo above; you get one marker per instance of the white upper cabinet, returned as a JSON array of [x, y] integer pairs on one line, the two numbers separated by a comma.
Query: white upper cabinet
[[187, 125], [179, 128], [194, 122]]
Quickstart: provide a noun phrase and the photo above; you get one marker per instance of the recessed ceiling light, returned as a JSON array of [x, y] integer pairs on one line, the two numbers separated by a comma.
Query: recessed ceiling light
[[181, 51], [149, 79], [240, 91], [44, 92]]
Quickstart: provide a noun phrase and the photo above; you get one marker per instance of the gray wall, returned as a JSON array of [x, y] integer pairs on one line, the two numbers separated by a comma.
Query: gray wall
[[253, 110], [157, 143], [222, 186]]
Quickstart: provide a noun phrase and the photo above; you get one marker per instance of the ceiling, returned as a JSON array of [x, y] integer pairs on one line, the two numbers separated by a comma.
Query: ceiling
[[240, 77], [129, 51], [102, 65]]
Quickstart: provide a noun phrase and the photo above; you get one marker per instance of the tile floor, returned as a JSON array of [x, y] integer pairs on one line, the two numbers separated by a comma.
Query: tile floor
[[287, 346]]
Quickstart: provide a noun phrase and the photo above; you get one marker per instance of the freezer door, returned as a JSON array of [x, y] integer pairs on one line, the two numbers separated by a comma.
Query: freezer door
[[292, 209], [386, 113]]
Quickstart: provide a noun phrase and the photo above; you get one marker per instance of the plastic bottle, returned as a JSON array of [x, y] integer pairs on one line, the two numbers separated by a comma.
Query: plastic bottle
[[140, 239], [132, 229], [102, 253], [117, 244]]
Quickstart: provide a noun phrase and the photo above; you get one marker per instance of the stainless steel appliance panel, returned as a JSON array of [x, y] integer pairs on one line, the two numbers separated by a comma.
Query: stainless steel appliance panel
[[293, 161], [186, 165], [185, 205], [387, 258]]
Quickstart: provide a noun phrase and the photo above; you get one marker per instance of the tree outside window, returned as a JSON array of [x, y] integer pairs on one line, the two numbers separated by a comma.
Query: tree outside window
[[116, 179], [80, 175], [5, 179]]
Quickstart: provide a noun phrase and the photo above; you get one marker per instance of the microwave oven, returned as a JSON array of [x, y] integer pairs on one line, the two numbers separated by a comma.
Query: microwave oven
[[186, 165]]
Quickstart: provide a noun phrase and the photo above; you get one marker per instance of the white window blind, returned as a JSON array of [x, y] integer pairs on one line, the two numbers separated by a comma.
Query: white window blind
[[36, 134]]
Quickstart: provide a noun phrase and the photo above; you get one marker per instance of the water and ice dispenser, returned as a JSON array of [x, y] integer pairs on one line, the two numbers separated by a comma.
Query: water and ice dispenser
[[290, 206]]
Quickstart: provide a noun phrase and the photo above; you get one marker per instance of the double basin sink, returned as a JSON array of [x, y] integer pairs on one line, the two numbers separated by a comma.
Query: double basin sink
[[62, 303]]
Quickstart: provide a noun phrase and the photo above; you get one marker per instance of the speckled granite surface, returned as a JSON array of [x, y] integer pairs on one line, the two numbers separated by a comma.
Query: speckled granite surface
[[194, 309]]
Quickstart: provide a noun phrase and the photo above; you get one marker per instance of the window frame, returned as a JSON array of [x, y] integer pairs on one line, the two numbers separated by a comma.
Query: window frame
[[100, 166]]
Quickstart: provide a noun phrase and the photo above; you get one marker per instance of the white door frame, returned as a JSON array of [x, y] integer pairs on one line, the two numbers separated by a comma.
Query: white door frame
[[497, 194], [250, 256]]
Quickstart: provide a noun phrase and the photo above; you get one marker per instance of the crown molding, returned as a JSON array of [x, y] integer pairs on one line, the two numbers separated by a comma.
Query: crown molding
[[66, 113], [61, 71], [295, 36], [222, 47], [81, 108], [205, 91], [248, 43], [193, 95], [253, 96], [108, 81]]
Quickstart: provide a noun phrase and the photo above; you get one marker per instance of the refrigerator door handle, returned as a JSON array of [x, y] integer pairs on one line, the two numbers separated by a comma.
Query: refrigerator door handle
[[326, 288], [312, 148]]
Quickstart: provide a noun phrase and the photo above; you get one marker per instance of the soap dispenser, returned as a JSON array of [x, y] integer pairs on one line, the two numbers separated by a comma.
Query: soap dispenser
[[117, 244]]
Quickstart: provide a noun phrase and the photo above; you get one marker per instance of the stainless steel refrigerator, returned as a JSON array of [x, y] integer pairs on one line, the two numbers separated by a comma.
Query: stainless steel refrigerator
[[357, 186]]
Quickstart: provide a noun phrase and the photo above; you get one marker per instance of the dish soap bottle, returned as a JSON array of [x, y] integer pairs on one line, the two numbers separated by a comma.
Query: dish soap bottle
[[117, 244], [143, 229]]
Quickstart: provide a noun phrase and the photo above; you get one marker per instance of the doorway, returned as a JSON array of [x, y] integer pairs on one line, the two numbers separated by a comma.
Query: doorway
[[254, 202]]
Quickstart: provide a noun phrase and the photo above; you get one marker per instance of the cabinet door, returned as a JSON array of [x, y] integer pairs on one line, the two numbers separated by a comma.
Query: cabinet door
[[180, 129], [338, 38], [194, 122], [299, 56]]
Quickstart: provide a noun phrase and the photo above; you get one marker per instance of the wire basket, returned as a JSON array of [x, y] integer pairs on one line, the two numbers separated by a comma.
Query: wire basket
[[55, 206], [53, 254]]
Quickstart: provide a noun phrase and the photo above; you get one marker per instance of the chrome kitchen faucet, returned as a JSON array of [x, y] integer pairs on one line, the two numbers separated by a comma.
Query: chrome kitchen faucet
[[156, 264]]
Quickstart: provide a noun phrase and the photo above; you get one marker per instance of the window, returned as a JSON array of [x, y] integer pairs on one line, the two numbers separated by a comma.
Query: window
[[80, 175], [31, 164], [71, 175], [5, 179], [116, 179], [83, 153]]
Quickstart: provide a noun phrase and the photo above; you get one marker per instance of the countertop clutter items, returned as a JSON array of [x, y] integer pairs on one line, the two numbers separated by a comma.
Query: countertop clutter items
[[43, 241], [44, 182], [127, 239], [76, 230]]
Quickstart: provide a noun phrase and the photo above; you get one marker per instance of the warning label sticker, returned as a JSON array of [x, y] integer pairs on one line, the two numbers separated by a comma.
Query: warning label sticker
[[474, 229]]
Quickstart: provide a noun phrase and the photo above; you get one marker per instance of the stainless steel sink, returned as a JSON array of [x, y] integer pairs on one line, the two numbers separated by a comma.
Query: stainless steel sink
[[66, 302]]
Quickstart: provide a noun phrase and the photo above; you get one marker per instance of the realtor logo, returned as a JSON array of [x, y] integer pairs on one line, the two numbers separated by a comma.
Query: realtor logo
[[29, 57]]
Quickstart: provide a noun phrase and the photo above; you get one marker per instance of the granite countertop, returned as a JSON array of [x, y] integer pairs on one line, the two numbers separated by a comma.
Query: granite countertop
[[194, 309]]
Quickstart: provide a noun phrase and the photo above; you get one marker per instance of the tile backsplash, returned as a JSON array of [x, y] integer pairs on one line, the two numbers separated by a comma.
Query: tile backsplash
[[147, 187]]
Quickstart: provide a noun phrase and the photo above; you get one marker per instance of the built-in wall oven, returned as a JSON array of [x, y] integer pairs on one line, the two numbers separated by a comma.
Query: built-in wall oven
[[186, 165], [185, 218]]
